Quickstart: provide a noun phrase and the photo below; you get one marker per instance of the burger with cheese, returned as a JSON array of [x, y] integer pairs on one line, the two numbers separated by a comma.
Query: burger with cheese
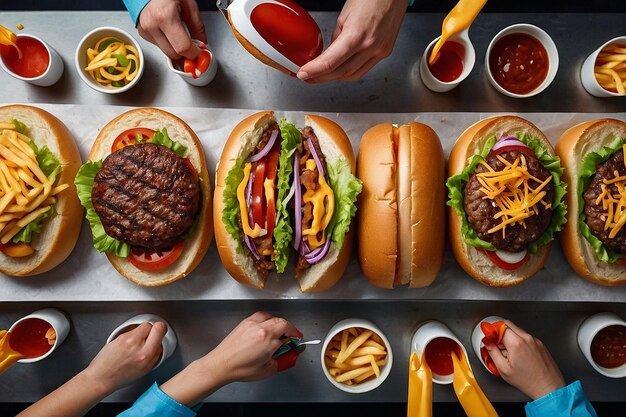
[[594, 237], [506, 200]]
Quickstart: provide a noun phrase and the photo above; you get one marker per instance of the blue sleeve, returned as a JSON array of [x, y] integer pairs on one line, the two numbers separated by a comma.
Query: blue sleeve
[[156, 403], [569, 401], [134, 8]]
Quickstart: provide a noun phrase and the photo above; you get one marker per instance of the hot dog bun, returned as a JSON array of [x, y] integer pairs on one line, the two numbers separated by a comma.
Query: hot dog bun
[[473, 261], [574, 144], [401, 225], [198, 242], [60, 232]]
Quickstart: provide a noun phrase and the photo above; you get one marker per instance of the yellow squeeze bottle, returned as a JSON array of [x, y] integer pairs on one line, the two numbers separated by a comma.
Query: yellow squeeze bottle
[[467, 390]]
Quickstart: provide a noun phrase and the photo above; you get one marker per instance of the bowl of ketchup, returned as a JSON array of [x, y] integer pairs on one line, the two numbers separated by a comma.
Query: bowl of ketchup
[[39, 63], [521, 61], [37, 335], [602, 340], [436, 342]]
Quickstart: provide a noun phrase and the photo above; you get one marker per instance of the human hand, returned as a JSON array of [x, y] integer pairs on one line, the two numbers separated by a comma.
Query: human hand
[[128, 357], [365, 33], [162, 22], [525, 363]]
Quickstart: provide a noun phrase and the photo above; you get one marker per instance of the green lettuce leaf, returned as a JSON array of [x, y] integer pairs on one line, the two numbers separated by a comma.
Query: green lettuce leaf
[[26, 234], [231, 212], [588, 170], [162, 138], [19, 126], [346, 188], [456, 185], [48, 162], [101, 241], [283, 232]]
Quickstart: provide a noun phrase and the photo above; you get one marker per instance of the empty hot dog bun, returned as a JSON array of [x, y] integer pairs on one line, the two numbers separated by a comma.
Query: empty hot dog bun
[[249, 254], [401, 225], [59, 232], [584, 149], [487, 212], [156, 188]]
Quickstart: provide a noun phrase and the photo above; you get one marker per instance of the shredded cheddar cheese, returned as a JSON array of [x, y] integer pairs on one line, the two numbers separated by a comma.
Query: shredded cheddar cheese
[[510, 190], [613, 202], [323, 201]]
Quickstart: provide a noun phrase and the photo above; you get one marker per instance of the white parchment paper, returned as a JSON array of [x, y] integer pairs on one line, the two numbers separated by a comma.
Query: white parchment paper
[[87, 275]]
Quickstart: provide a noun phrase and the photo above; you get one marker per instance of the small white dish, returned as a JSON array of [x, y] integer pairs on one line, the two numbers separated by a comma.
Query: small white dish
[[169, 340], [203, 79], [50, 76], [89, 41], [588, 331], [469, 59], [425, 333], [587, 71], [384, 369], [477, 338], [59, 322], [544, 39]]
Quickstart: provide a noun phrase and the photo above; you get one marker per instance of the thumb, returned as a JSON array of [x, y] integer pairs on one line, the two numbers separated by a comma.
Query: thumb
[[496, 355], [192, 18]]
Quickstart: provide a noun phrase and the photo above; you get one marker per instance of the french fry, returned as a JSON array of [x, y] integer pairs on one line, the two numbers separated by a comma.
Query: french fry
[[610, 68], [353, 373], [371, 343], [365, 377], [354, 345]]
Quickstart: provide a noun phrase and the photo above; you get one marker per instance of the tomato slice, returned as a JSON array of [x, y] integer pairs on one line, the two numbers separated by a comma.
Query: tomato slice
[[192, 169], [258, 193], [519, 148], [493, 257], [203, 61], [189, 66], [622, 261], [129, 137], [271, 171], [155, 260]]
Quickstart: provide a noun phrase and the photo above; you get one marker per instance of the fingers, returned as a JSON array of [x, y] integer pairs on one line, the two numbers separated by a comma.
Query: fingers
[[140, 332], [260, 317], [499, 359], [192, 18], [277, 327], [156, 335], [321, 67], [179, 40], [518, 330]]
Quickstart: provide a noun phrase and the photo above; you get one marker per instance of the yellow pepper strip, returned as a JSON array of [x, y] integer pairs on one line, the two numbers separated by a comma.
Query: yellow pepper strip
[[8, 38]]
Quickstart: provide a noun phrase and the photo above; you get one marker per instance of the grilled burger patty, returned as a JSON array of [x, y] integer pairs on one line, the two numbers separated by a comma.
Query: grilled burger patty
[[595, 212], [481, 211], [146, 196]]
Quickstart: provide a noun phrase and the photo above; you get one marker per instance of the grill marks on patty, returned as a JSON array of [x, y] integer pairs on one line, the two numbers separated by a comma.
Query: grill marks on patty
[[595, 212], [146, 196], [481, 211]]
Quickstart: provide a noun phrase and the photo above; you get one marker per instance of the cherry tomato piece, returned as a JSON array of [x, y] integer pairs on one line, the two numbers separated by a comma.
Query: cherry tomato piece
[[203, 61], [189, 66]]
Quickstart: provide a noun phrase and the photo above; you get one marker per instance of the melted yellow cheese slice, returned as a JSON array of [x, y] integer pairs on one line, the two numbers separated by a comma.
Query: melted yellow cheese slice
[[509, 189], [243, 207]]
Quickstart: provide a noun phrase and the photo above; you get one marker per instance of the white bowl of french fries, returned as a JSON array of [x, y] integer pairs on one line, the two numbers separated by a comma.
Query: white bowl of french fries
[[603, 74], [356, 356], [109, 60]]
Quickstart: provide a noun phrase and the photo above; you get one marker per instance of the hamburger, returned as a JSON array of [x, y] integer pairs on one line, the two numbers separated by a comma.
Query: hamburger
[[594, 237], [401, 210], [147, 194], [38, 204], [506, 200]]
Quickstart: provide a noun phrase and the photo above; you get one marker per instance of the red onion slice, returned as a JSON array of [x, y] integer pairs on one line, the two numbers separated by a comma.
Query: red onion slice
[[250, 245], [298, 200], [508, 141], [268, 147], [304, 248], [315, 259], [316, 157]]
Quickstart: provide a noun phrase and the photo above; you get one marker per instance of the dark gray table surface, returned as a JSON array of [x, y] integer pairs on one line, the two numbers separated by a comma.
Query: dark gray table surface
[[393, 86]]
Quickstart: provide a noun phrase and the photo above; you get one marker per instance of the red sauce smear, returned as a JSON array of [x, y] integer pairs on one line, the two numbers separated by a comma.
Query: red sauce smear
[[35, 59], [289, 29], [608, 348], [438, 355], [519, 63], [29, 338], [449, 65]]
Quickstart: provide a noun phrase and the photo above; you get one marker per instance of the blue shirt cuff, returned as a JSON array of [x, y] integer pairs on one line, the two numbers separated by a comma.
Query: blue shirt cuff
[[156, 403], [569, 401], [134, 8]]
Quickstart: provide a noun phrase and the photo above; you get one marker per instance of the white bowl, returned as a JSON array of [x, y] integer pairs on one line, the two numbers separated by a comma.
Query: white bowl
[[384, 370], [50, 76], [59, 322], [425, 333], [477, 338], [89, 41], [469, 59], [587, 73], [205, 78], [588, 330], [544, 39], [169, 340]]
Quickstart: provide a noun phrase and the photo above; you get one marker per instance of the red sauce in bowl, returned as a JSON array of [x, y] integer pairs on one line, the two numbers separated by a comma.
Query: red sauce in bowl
[[35, 59], [608, 347], [439, 355], [449, 65], [519, 63], [28, 337]]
